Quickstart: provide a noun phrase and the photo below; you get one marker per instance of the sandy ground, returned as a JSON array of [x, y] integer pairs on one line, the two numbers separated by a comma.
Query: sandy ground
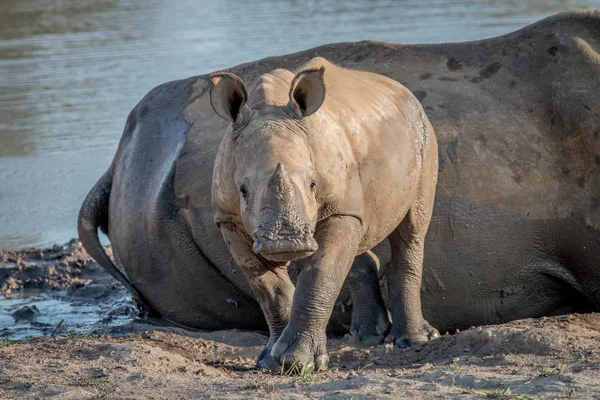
[[557, 357]]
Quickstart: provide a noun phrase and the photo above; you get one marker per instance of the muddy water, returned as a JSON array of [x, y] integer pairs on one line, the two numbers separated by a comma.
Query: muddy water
[[45, 313], [58, 291], [71, 70]]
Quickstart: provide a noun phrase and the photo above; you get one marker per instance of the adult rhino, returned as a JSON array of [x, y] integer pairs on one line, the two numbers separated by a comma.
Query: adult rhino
[[515, 230]]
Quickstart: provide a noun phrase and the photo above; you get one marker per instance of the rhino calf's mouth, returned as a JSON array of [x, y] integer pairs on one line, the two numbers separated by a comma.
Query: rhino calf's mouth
[[284, 249]]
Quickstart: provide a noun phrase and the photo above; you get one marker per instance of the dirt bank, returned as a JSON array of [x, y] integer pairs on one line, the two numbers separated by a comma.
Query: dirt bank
[[556, 357], [546, 358]]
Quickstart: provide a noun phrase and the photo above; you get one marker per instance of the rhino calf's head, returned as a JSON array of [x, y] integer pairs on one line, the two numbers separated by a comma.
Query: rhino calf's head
[[274, 167]]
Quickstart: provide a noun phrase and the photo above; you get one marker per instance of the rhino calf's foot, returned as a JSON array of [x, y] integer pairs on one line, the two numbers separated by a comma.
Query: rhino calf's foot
[[422, 336], [298, 351], [265, 361], [371, 332]]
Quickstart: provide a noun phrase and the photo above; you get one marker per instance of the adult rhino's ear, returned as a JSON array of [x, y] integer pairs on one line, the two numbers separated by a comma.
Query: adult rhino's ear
[[308, 91], [228, 96]]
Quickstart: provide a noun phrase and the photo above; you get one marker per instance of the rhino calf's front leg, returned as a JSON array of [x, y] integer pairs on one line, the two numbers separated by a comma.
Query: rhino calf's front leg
[[303, 342], [270, 284]]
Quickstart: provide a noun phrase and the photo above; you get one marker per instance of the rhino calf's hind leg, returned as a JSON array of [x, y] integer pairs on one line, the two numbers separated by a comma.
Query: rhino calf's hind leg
[[370, 322], [404, 280]]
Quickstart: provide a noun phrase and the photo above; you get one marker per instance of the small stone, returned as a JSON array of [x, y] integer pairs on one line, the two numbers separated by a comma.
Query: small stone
[[26, 313], [352, 375], [17, 385]]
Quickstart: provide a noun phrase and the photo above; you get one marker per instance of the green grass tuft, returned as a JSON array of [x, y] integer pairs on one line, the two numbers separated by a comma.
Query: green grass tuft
[[8, 342]]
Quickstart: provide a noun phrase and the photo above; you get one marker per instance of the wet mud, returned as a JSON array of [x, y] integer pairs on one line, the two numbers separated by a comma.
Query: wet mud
[[45, 292]]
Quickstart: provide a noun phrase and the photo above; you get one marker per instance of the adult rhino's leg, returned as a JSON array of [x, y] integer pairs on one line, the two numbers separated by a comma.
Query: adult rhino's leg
[[370, 322], [303, 342], [270, 284]]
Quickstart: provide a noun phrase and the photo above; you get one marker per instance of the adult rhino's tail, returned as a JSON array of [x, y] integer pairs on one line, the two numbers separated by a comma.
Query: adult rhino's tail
[[93, 215]]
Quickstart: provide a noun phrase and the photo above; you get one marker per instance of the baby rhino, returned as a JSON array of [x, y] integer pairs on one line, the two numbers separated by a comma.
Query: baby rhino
[[319, 167]]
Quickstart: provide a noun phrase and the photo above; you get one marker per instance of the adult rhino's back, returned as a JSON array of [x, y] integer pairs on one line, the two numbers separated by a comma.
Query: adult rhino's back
[[143, 167], [142, 182]]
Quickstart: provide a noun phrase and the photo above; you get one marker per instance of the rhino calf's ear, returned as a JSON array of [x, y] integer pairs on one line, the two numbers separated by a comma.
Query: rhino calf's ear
[[228, 96], [307, 92]]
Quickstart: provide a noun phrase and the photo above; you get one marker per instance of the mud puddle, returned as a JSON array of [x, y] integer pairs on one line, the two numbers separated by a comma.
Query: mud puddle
[[37, 313], [58, 291]]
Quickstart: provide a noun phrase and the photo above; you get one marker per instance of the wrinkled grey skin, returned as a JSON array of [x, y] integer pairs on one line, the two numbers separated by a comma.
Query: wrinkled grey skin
[[515, 230], [318, 168]]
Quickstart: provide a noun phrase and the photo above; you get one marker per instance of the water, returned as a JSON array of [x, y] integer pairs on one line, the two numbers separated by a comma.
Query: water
[[71, 70], [58, 313]]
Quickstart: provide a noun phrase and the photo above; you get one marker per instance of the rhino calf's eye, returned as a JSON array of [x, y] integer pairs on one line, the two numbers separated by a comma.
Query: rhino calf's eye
[[244, 191], [312, 185]]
